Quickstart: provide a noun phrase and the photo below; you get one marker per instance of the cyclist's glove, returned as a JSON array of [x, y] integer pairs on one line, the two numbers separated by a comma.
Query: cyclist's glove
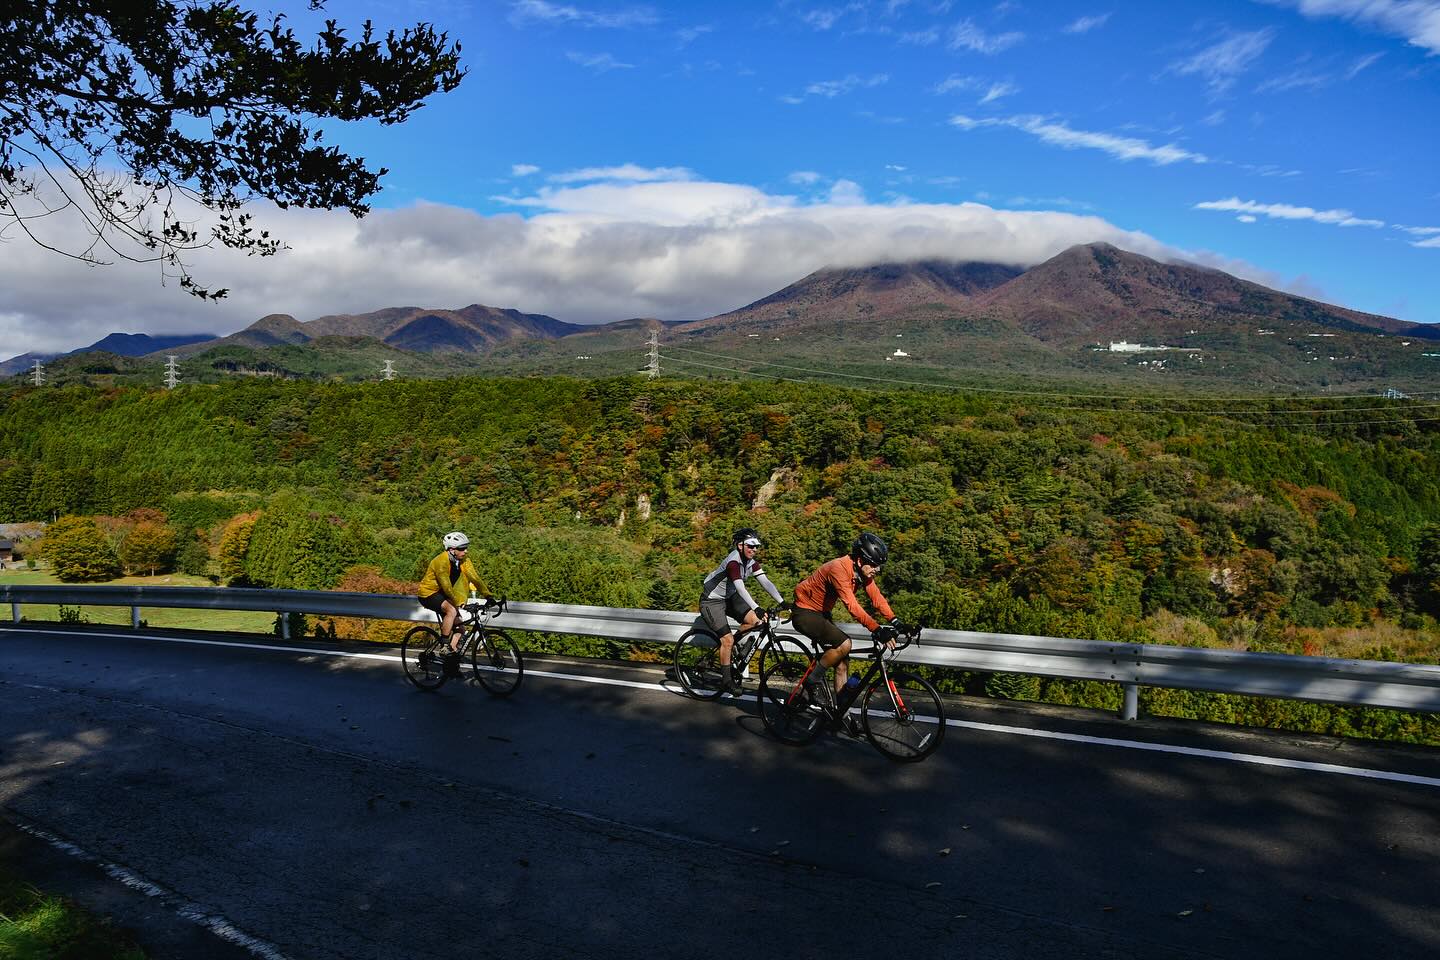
[[883, 634]]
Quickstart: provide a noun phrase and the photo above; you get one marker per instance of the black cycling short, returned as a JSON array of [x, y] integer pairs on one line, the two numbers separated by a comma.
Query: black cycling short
[[713, 612], [817, 626], [435, 603]]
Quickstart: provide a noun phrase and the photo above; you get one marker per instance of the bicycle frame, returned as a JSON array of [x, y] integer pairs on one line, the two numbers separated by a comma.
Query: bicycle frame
[[832, 707]]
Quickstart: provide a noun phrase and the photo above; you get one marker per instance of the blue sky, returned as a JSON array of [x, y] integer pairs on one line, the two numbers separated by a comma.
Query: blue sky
[[604, 160]]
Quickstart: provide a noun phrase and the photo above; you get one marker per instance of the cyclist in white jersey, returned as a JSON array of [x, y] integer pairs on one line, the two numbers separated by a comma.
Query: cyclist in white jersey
[[723, 596]]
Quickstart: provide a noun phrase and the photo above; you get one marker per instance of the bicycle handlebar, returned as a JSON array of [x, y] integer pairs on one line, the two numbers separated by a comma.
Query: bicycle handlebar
[[903, 637], [484, 605]]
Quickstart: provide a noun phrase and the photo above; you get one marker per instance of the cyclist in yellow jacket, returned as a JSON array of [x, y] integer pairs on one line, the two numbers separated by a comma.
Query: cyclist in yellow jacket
[[444, 588]]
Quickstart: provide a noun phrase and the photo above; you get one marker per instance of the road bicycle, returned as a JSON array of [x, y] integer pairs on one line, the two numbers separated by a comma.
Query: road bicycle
[[495, 661], [901, 713], [697, 655]]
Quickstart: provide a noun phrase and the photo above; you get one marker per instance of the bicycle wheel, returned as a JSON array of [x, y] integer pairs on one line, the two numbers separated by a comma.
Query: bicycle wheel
[[786, 707], [780, 648], [497, 663], [697, 664], [422, 654], [905, 719]]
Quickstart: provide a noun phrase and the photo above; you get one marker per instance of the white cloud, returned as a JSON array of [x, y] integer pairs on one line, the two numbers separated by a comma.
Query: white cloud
[[1086, 24], [1058, 134], [523, 12], [1003, 88], [1222, 62], [597, 252], [1429, 236], [921, 38], [626, 171], [804, 177], [957, 82], [823, 18], [1286, 211], [966, 35], [1295, 80], [1418, 21], [1246, 218], [834, 88], [523, 169], [1361, 64], [994, 89], [599, 62], [898, 168], [846, 193], [689, 35]]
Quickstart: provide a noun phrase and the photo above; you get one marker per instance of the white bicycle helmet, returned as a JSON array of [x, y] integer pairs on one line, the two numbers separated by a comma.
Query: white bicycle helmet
[[456, 540]]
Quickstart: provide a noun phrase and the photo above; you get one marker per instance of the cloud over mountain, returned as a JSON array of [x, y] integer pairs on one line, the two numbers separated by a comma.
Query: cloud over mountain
[[589, 252]]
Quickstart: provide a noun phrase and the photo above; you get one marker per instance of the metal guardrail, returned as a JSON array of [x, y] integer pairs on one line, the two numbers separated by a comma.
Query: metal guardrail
[[1352, 682]]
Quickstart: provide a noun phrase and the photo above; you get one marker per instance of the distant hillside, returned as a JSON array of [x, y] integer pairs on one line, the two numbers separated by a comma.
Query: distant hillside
[[472, 329], [861, 293], [1098, 292], [119, 344]]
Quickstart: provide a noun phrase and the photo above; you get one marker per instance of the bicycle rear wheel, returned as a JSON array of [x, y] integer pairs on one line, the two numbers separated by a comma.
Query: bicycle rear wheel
[[905, 719], [422, 653], [786, 707], [497, 663], [697, 664]]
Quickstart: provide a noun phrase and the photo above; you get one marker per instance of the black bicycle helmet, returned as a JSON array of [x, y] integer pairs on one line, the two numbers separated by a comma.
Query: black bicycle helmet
[[869, 548], [746, 535]]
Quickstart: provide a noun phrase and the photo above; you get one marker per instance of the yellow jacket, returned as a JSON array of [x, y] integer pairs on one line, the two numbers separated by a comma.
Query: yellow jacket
[[437, 580]]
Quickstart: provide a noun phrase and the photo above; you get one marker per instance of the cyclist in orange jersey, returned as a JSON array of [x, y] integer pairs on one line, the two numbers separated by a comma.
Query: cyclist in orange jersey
[[838, 581]]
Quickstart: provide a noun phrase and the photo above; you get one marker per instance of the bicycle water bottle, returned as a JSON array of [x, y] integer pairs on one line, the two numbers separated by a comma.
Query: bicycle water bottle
[[851, 691]]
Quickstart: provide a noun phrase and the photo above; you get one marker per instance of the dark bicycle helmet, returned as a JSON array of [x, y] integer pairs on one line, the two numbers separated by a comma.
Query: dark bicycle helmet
[[746, 535], [869, 548]]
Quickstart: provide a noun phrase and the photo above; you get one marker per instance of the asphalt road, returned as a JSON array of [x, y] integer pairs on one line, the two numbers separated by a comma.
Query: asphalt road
[[318, 806]]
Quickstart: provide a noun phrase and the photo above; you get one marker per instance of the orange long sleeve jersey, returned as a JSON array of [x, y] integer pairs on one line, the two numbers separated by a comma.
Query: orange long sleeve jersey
[[834, 581]]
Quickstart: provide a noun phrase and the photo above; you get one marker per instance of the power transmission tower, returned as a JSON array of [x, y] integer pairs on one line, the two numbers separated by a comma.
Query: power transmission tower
[[172, 372], [38, 374], [389, 372], [652, 369]]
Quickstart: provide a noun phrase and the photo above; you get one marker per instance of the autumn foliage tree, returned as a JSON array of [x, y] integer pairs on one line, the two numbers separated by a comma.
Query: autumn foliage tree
[[148, 547], [201, 106], [78, 551]]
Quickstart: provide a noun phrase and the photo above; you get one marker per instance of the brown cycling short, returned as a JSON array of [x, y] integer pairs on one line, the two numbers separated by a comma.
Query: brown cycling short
[[817, 626]]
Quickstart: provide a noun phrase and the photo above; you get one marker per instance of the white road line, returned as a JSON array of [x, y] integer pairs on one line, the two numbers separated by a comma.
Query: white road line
[[1307, 765], [187, 910]]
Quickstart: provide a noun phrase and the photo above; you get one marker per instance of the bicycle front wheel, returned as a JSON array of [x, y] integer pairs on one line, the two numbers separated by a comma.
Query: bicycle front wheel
[[697, 664], [903, 719], [786, 707], [422, 653], [497, 663]]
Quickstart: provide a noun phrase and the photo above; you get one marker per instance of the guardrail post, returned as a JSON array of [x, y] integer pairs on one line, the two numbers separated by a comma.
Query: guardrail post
[[1131, 708], [284, 625], [15, 611], [135, 618]]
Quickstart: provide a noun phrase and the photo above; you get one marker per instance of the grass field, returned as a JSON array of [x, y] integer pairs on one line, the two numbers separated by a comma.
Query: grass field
[[243, 621]]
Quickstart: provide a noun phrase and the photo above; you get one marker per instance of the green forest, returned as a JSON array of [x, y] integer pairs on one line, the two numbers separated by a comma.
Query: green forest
[[1277, 531]]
